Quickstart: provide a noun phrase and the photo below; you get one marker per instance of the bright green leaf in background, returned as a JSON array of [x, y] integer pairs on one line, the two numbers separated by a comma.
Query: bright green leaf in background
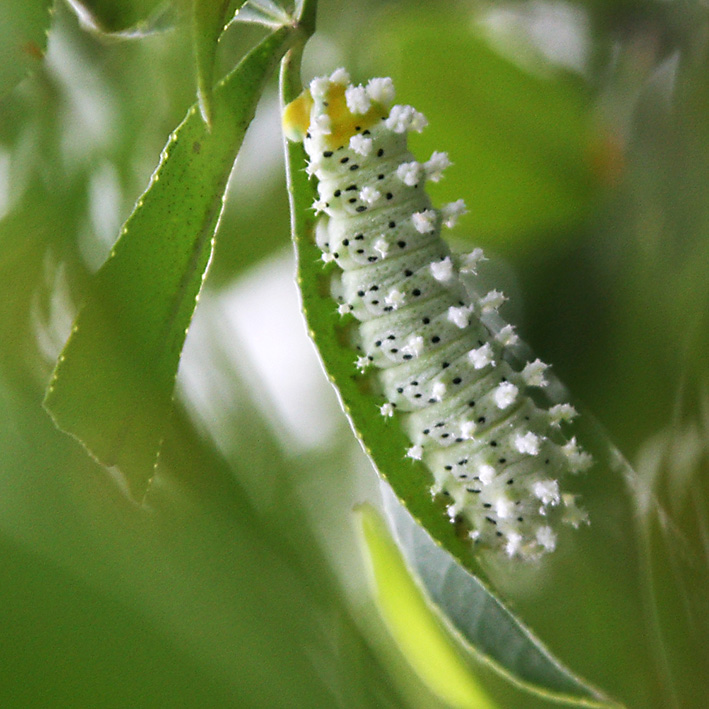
[[23, 38], [112, 388], [416, 629]]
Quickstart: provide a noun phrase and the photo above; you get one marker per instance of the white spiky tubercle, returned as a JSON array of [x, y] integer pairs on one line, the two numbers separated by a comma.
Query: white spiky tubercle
[[495, 454]]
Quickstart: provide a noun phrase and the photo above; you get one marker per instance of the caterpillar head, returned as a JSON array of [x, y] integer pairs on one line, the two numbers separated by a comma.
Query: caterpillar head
[[334, 110]]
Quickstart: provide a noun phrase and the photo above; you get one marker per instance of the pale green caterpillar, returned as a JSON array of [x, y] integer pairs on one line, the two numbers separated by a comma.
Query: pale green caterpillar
[[423, 333]]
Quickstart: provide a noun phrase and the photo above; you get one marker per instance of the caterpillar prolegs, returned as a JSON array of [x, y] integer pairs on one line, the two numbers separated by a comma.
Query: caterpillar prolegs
[[444, 370]]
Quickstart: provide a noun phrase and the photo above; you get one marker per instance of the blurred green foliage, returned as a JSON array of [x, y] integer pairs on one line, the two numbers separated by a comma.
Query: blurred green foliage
[[534, 136], [23, 39], [239, 583]]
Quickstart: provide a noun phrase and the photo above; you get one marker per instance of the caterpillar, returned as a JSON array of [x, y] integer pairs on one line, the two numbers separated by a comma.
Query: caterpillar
[[434, 347]]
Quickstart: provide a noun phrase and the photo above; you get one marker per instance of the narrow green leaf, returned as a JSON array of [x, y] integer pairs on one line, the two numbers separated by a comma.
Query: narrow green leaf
[[208, 20], [133, 18], [23, 38], [384, 440], [112, 386], [418, 632]]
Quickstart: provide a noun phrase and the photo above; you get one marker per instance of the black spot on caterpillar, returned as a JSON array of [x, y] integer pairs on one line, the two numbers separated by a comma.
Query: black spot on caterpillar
[[422, 333]]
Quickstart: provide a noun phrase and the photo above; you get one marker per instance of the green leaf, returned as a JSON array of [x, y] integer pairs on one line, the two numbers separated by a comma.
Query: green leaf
[[416, 629], [484, 621], [112, 386], [133, 18], [23, 38], [208, 20]]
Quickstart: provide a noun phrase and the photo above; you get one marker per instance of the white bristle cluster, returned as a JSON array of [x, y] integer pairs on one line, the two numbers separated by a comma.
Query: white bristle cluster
[[494, 453]]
